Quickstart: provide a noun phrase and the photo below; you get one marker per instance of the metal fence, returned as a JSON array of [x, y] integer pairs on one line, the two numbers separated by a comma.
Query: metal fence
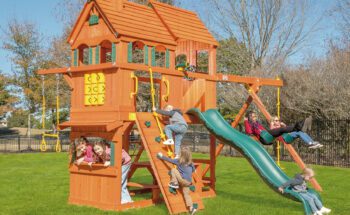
[[17, 143], [333, 134]]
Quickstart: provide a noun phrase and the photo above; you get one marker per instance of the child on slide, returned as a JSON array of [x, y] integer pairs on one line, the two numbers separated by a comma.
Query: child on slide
[[177, 125], [182, 175], [276, 123], [298, 184], [253, 127]]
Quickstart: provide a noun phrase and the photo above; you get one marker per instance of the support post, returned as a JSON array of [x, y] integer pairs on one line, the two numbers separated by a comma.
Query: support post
[[212, 161]]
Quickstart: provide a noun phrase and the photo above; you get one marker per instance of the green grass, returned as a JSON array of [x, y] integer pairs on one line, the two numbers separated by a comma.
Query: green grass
[[38, 184]]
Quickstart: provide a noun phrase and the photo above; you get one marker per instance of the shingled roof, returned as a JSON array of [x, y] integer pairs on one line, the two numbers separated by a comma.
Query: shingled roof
[[159, 23], [183, 24]]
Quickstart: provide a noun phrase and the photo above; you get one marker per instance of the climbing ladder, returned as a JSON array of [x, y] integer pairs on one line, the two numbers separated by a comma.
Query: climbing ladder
[[149, 132]]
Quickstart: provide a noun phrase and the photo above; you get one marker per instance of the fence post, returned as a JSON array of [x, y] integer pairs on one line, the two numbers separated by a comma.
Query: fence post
[[19, 142]]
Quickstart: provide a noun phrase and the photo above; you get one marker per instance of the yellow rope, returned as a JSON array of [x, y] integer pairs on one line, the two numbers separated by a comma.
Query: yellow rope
[[43, 118], [155, 114], [43, 145], [278, 104], [58, 142]]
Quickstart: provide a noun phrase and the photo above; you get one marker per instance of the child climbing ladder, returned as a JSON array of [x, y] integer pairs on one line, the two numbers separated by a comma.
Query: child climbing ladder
[[182, 175], [177, 125]]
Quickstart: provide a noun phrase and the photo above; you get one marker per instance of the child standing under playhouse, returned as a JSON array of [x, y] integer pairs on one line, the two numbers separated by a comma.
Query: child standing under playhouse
[[182, 174], [177, 125], [298, 184], [126, 164], [276, 123]]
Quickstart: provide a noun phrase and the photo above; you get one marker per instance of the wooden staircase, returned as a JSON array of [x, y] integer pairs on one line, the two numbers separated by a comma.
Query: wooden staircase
[[174, 202]]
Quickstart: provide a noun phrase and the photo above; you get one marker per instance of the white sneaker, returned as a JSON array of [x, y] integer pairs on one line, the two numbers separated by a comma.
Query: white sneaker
[[169, 142], [315, 145], [319, 146], [177, 157], [325, 210], [317, 213]]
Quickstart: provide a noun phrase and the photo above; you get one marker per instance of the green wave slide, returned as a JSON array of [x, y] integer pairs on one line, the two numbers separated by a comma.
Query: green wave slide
[[252, 150]]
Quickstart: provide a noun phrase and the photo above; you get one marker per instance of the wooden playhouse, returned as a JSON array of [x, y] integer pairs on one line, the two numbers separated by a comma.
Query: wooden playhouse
[[111, 40]]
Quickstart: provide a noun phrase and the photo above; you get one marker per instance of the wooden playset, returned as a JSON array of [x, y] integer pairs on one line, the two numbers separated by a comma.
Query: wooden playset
[[111, 40]]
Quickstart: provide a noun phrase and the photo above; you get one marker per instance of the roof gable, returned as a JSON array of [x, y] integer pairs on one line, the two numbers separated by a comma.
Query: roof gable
[[183, 24], [136, 21], [83, 31]]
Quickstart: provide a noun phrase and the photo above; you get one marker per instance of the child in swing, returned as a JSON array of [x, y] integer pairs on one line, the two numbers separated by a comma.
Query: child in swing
[[178, 126], [182, 174], [298, 184], [253, 127]]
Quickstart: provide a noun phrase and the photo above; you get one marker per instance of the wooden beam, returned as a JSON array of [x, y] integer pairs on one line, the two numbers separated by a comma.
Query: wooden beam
[[133, 66], [249, 80], [69, 80]]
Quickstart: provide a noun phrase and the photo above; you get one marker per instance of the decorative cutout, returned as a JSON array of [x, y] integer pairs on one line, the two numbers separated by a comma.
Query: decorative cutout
[[95, 89], [93, 20]]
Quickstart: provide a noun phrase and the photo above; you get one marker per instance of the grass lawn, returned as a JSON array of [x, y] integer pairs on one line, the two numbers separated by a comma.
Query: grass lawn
[[38, 184]]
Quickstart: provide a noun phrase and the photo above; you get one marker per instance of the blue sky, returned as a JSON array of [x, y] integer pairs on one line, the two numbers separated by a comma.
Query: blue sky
[[42, 13]]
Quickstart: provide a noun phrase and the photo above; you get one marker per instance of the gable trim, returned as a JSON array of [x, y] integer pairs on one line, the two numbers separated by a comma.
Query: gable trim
[[81, 19]]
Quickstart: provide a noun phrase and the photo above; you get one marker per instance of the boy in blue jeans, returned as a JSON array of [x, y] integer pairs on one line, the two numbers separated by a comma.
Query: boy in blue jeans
[[177, 125], [298, 184]]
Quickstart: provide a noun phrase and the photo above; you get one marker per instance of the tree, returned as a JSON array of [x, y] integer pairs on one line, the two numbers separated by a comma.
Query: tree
[[270, 29], [6, 99], [232, 57], [343, 10], [24, 43], [28, 55], [321, 88], [19, 118]]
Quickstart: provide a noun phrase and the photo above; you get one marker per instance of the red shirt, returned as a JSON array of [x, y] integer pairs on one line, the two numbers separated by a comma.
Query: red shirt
[[253, 128]]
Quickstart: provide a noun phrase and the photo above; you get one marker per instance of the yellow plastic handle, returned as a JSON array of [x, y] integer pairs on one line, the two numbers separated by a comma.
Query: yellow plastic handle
[[132, 94], [43, 144], [167, 84]]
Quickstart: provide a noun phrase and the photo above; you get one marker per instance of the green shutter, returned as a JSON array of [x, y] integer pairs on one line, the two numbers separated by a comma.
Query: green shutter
[[75, 60], [97, 55], [153, 56], [167, 58], [112, 153], [146, 54], [90, 55], [130, 52], [113, 53]]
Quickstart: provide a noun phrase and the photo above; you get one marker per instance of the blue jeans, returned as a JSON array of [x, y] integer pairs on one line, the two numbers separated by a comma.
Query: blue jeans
[[305, 137], [125, 193], [179, 131], [313, 201]]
